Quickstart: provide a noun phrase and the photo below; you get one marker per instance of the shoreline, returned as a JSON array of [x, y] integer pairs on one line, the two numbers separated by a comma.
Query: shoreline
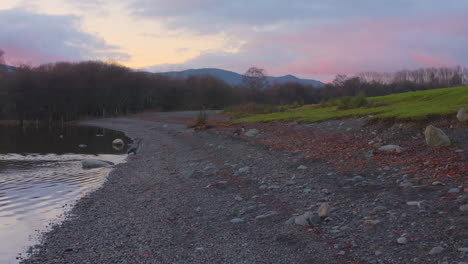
[[176, 201]]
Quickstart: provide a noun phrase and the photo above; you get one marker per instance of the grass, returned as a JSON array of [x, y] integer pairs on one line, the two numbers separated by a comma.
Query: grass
[[249, 109], [404, 106]]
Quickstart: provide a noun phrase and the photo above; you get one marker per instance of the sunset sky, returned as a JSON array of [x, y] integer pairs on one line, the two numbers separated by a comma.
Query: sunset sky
[[309, 38]]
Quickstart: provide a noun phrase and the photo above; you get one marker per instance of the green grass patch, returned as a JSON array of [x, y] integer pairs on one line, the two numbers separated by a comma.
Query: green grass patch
[[404, 106]]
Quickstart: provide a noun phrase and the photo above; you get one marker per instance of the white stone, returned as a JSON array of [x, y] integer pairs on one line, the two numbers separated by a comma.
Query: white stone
[[395, 148]]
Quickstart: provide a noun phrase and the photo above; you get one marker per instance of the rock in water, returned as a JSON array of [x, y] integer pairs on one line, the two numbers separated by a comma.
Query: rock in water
[[435, 137], [324, 210], [92, 164], [390, 148], [118, 142], [252, 132], [462, 114]]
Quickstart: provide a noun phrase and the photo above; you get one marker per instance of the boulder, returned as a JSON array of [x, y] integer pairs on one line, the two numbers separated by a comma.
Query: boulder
[[252, 132], [435, 137], [93, 164], [118, 142], [462, 114], [307, 219], [324, 210]]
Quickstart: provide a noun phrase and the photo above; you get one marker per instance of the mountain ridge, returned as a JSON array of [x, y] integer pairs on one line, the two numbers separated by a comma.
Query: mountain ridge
[[233, 78]]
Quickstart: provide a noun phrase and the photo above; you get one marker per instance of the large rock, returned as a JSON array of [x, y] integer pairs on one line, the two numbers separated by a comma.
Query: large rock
[[252, 132], [435, 137], [324, 210], [92, 164], [307, 219], [462, 114]]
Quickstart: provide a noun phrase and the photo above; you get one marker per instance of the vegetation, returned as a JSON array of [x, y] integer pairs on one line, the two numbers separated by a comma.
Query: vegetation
[[409, 106], [200, 121], [71, 91], [347, 102]]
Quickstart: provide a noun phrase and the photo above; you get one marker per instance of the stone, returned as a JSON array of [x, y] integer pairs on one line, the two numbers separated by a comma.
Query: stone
[[414, 203], [462, 115], [307, 190], [406, 184], [291, 182], [438, 183], [118, 142], [369, 154], [244, 170], [274, 187], [82, 146], [291, 220], [237, 220], [454, 190], [390, 148], [464, 208], [267, 215], [380, 208], [436, 250], [402, 241], [358, 178], [93, 164], [463, 250], [302, 167], [252, 132], [371, 222], [435, 137], [307, 219], [324, 210]]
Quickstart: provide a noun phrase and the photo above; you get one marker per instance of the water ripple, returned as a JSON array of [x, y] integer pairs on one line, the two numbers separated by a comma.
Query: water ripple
[[35, 188]]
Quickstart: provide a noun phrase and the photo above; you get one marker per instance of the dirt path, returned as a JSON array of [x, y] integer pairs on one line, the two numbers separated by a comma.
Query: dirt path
[[177, 199]]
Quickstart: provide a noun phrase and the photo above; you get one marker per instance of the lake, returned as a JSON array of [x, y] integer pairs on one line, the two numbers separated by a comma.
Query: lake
[[41, 177]]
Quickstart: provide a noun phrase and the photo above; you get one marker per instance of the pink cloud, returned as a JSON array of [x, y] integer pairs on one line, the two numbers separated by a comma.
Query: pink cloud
[[432, 61]]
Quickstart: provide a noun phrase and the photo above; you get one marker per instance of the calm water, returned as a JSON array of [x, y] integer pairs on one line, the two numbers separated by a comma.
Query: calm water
[[41, 177]]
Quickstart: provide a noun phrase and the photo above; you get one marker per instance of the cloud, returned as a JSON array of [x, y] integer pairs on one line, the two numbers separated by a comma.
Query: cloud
[[32, 38], [212, 16], [355, 46]]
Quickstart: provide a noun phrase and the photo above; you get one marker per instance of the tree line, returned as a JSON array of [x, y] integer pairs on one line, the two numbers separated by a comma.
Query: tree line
[[69, 91]]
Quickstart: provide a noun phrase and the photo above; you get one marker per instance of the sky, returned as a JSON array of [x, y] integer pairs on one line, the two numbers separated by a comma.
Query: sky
[[314, 39]]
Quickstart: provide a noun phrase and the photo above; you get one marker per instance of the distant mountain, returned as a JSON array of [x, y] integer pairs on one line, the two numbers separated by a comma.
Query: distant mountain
[[233, 78], [9, 68]]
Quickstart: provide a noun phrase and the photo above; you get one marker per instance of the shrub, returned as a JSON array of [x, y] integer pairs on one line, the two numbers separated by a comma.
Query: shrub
[[347, 102], [200, 121]]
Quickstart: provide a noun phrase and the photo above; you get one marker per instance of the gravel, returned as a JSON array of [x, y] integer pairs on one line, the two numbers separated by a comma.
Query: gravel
[[176, 202]]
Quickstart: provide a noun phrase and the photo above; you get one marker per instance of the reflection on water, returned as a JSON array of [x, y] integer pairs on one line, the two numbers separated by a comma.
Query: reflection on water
[[35, 188]]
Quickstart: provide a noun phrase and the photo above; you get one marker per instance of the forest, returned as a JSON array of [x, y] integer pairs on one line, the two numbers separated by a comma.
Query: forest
[[70, 91]]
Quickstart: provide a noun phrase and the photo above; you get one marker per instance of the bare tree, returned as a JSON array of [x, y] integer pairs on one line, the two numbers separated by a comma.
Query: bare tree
[[2, 61], [255, 80]]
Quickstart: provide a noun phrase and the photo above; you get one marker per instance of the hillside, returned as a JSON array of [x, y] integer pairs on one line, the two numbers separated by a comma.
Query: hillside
[[9, 68], [411, 105], [233, 78]]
